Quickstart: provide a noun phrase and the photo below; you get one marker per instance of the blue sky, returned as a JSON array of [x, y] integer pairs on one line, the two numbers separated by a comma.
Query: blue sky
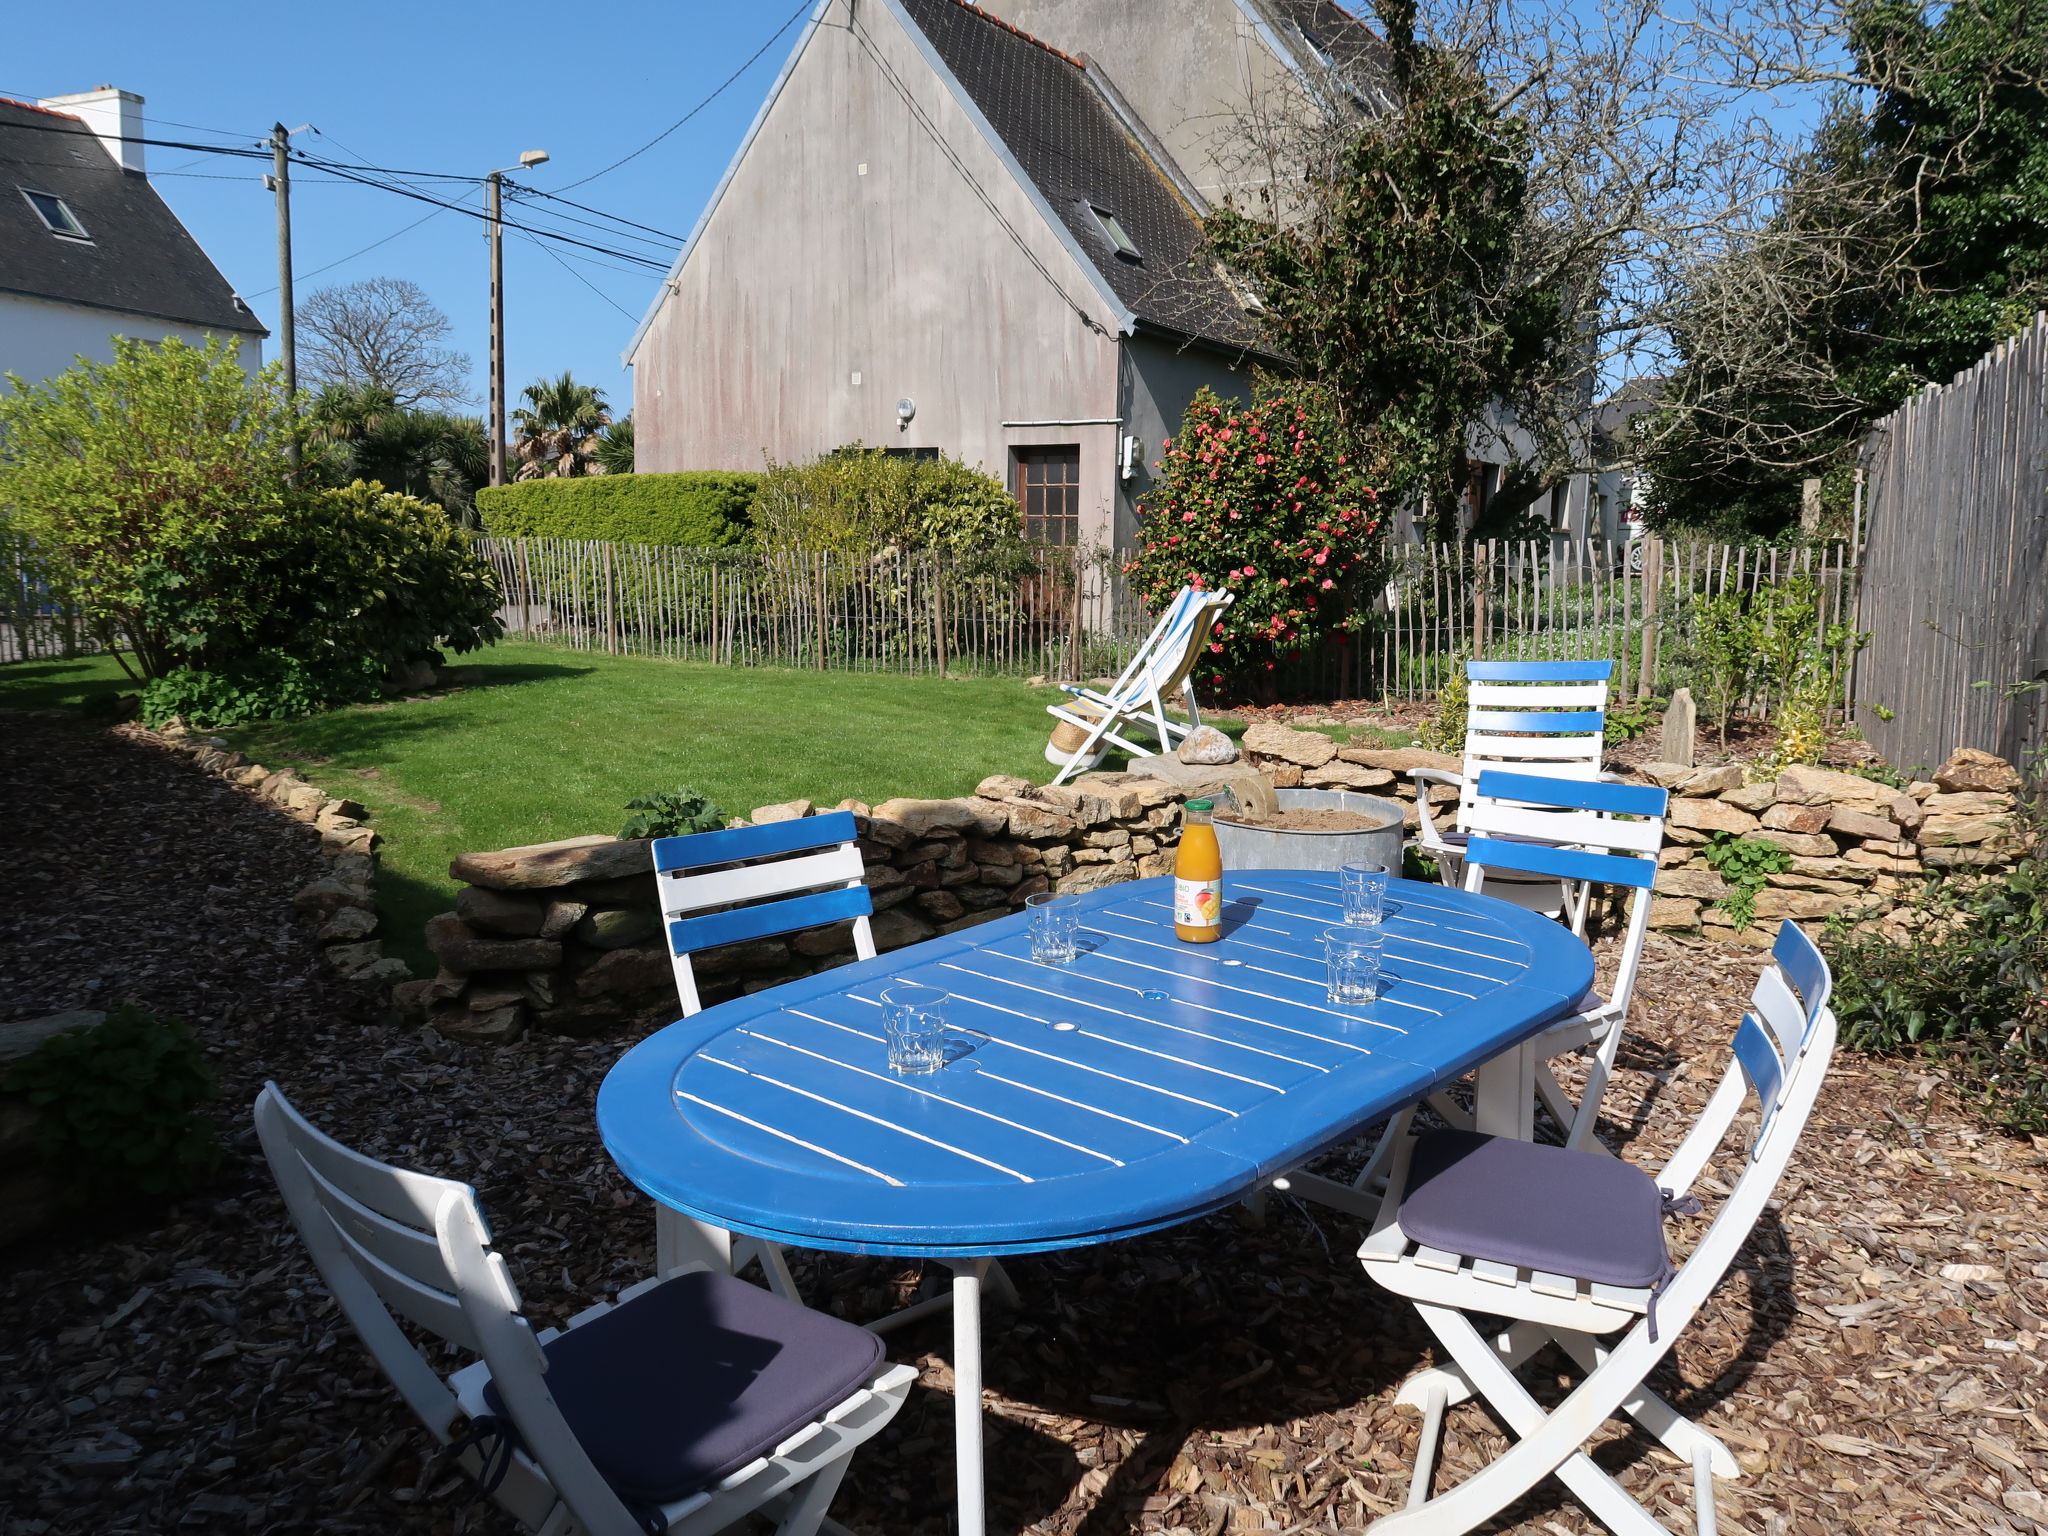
[[459, 88]]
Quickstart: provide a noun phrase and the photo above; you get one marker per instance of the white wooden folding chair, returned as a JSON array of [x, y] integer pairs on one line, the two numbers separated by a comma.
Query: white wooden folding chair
[[1544, 718], [1568, 1248], [1162, 669], [683, 1407]]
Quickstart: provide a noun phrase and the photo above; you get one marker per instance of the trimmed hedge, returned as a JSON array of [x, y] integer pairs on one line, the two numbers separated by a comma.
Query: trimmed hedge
[[700, 508]]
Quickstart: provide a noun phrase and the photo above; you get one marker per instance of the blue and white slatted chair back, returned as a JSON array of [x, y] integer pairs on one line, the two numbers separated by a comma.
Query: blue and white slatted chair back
[[1616, 1332], [1592, 834], [1565, 702], [709, 870]]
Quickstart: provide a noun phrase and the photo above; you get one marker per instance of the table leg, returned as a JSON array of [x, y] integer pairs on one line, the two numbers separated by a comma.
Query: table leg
[[682, 1242], [1505, 1096], [973, 1520]]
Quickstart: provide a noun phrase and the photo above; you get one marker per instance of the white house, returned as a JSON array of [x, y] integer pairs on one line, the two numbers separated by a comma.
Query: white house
[[88, 250]]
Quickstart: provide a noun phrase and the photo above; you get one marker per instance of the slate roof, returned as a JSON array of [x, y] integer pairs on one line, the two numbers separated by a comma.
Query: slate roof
[[1358, 53], [140, 259], [1067, 139]]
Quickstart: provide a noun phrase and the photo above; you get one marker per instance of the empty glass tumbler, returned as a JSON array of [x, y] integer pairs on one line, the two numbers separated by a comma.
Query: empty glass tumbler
[[914, 1019], [1353, 956], [1055, 927], [1365, 893]]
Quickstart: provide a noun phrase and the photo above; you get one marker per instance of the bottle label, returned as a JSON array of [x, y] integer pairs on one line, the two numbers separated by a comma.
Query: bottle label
[[1198, 903]]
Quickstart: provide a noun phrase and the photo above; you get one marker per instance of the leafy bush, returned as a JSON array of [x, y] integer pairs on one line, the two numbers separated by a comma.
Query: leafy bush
[[1258, 500], [1444, 731], [1747, 865], [308, 609], [672, 814], [120, 1105], [1629, 718], [700, 509], [860, 498], [1969, 991]]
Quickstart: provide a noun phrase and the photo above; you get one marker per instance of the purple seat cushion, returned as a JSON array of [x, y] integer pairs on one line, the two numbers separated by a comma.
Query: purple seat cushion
[[687, 1383], [1587, 1001], [1581, 1214]]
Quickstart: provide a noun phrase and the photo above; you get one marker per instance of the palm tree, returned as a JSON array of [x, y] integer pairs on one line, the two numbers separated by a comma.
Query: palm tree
[[556, 433], [362, 432], [615, 447]]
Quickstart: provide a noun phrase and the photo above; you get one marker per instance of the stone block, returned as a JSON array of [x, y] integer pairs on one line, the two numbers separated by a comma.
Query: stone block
[[940, 850], [1829, 869], [1773, 904], [898, 927], [1343, 775], [939, 905], [784, 810], [1967, 803], [346, 840], [1206, 744], [1663, 775], [1920, 789], [1095, 876], [488, 992], [557, 918], [1123, 793], [629, 972], [278, 787], [972, 920], [1958, 831], [1758, 935], [860, 808], [888, 834], [1094, 856], [828, 940], [1028, 887], [616, 927], [1109, 837], [1670, 858], [1968, 769], [1252, 790], [923, 818], [1907, 814], [1717, 780], [1700, 884], [351, 958], [24, 1036], [1283, 775], [1681, 728], [882, 901], [1401, 760], [249, 777], [1799, 882], [925, 876], [468, 955], [546, 866], [1673, 912], [498, 1026], [1891, 864], [1751, 797], [1803, 784], [1001, 786], [1798, 818], [1304, 749], [1152, 865], [987, 851], [1852, 822], [305, 801], [1056, 861], [347, 925], [1811, 845], [410, 998], [328, 895], [501, 913], [1898, 848], [1979, 857], [965, 874], [1710, 816], [1038, 823], [1003, 875]]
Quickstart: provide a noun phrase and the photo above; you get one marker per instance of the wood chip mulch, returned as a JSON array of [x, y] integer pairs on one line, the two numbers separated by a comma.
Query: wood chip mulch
[[1876, 1360]]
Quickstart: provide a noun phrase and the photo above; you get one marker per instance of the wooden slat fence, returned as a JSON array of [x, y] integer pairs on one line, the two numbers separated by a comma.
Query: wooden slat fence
[[34, 624], [1956, 565], [1070, 613]]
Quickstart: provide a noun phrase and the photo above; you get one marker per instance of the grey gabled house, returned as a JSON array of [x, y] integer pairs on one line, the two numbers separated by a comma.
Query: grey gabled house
[[946, 233], [88, 250]]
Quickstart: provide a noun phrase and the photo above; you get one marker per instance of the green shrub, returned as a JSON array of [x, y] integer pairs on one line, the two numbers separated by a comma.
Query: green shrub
[[120, 1105], [1969, 991], [308, 609], [672, 814], [863, 499], [1747, 864], [701, 509]]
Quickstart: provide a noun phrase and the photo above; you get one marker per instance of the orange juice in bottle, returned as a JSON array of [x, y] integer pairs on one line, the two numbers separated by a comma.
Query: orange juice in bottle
[[1198, 877]]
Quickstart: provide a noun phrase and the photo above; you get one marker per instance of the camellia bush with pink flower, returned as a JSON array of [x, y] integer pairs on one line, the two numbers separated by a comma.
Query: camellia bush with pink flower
[[1258, 500]]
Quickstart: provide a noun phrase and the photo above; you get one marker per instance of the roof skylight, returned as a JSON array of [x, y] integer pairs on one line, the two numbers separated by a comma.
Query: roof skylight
[[1114, 233], [56, 215]]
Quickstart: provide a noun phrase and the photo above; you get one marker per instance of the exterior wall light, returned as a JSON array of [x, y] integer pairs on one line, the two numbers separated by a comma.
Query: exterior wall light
[[906, 408]]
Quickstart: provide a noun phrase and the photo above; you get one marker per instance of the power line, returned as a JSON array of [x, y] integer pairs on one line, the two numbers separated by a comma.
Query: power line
[[352, 255], [672, 127], [615, 218], [667, 244], [556, 257]]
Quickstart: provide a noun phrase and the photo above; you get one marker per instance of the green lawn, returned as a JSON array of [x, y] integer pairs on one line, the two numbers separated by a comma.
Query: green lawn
[[557, 741], [62, 684]]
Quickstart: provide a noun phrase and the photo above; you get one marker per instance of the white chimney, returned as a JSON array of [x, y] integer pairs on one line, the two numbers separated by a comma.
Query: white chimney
[[114, 115]]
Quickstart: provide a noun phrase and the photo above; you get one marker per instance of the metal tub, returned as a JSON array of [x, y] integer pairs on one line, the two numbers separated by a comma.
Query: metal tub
[[1279, 848]]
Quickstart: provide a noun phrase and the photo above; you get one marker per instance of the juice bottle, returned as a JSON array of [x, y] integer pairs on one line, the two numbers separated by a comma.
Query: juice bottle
[[1198, 877]]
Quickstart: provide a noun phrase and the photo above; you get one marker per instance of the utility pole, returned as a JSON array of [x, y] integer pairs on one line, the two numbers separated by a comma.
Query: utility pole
[[494, 230], [281, 183]]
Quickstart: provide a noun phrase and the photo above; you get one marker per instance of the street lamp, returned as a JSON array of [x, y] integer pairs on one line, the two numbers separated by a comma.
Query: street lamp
[[494, 228]]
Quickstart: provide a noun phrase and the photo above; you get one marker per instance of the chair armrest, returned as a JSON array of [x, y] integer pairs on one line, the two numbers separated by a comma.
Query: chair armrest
[[1427, 834], [1436, 776]]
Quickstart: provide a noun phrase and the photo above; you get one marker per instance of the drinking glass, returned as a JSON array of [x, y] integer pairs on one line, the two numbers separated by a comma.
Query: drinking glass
[[1353, 957], [1055, 927], [914, 1019], [1365, 893]]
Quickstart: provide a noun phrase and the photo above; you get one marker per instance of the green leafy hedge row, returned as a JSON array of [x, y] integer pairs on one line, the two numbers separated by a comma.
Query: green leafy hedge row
[[701, 508]]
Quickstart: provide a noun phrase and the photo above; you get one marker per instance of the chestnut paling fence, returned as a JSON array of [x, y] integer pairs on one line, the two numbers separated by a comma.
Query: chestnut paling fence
[[1063, 612]]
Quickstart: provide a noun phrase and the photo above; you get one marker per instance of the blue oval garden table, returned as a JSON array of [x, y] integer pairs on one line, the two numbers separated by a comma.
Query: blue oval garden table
[[1145, 1084]]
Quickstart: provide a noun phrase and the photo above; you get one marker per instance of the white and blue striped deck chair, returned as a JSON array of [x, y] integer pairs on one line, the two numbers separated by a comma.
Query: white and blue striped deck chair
[[1546, 1245], [1592, 834], [1161, 670], [715, 888], [1547, 718]]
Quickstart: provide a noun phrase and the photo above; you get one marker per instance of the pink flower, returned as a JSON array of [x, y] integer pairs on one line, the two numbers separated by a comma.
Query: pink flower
[[1327, 583]]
